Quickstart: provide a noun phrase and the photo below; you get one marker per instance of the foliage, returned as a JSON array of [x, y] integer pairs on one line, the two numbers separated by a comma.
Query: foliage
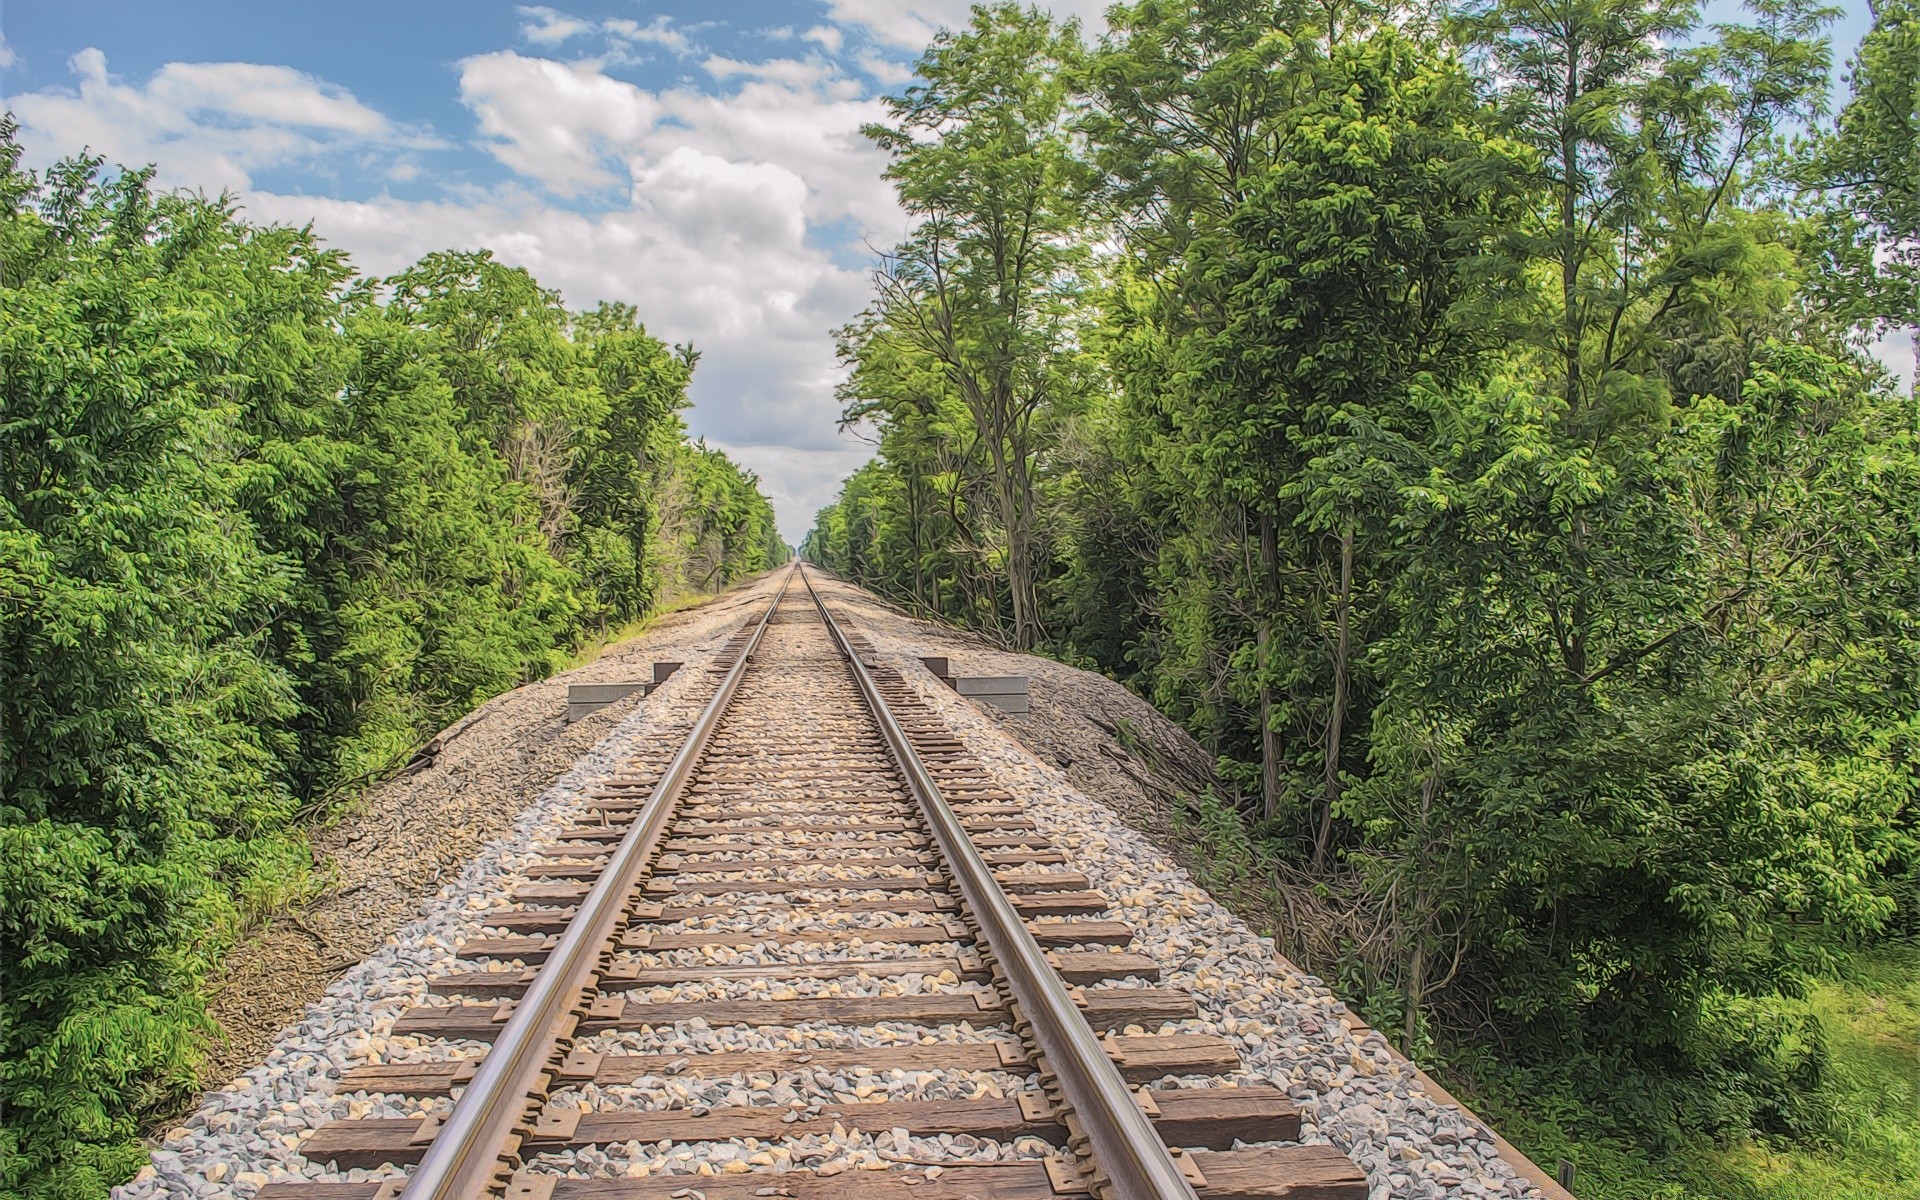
[[262, 532], [1474, 450]]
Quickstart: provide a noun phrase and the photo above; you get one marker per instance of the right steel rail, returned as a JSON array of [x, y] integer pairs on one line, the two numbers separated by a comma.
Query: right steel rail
[[466, 1157], [1124, 1144]]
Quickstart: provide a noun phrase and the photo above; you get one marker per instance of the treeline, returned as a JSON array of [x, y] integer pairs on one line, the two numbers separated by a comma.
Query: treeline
[[265, 525], [1462, 421]]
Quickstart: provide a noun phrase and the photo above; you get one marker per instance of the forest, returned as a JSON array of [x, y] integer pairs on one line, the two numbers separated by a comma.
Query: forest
[[1465, 420], [267, 524]]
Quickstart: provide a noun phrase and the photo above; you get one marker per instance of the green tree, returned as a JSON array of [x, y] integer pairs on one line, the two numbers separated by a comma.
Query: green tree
[[984, 288], [139, 718]]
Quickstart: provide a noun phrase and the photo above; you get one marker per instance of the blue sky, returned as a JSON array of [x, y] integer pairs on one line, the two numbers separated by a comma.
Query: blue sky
[[701, 161]]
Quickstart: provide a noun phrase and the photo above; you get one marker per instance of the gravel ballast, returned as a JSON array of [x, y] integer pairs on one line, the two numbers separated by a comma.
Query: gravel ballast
[[1351, 1089]]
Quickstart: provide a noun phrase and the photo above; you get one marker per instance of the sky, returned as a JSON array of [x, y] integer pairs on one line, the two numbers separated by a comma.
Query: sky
[[701, 161]]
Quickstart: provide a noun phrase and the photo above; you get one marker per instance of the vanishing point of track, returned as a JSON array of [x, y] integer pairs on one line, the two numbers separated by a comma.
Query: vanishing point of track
[[820, 814]]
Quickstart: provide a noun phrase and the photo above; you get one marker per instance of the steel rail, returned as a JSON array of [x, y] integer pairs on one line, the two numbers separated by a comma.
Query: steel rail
[[464, 1160], [1124, 1142]]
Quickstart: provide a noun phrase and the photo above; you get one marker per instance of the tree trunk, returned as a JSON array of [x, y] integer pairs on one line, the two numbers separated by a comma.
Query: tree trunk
[[1015, 520], [1336, 719], [1416, 990], [1269, 736]]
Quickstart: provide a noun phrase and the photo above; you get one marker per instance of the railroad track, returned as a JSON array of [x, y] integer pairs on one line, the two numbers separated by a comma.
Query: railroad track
[[815, 934]]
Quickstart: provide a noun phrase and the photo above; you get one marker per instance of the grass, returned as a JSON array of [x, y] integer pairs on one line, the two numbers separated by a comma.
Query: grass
[[1868, 1149], [593, 647]]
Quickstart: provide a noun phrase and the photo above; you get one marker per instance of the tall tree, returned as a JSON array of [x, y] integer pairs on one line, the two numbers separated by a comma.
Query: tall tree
[[1871, 160], [983, 158]]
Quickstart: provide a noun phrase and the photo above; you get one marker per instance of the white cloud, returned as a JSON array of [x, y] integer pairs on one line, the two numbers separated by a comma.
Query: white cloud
[[886, 71], [549, 27], [659, 32], [559, 123], [719, 244], [911, 24], [7, 56], [793, 72], [569, 127], [209, 125], [828, 37], [799, 482]]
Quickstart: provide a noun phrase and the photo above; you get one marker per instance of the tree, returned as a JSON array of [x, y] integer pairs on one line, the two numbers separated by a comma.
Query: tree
[[984, 287], [1871, 160], [139, 718]]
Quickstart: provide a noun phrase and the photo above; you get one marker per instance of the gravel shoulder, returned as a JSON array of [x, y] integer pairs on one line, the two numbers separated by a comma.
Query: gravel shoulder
[[403, 839]]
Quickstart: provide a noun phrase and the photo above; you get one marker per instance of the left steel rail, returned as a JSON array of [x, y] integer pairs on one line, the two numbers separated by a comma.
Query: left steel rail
[[468, 1156]]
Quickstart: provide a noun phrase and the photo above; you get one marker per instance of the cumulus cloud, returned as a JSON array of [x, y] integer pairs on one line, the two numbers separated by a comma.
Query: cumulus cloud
[[563, 124], [7, 56], [658, 32], [828, 37], [799, 482], [550, 27], [911, 24], [570, 127], [210, 125]]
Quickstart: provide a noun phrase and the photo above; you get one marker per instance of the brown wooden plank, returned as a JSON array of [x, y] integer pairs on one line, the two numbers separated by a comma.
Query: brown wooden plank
[[550, 893], [1140, 1059], [684, 845], [1112, 1008], [740, 856], [1095, 966], [1145, 1059], [769, 887], [619, 1069], [1042, 881], [408, 1079], [498, 985], [588, 835], [366, 1142], [1020, 1181], [1215, 1118], [1080, 932], [472, 1022], [997, 1119], [939, 1009], [529, 920], [1051, 933], [1263, 1173], [899, 935], [691, 827], [624, 975], [565, 869], [1279, 1173], [289, 1189], [800, 857], [822, 903], [526, 949], [1058, 904], [761, 798]]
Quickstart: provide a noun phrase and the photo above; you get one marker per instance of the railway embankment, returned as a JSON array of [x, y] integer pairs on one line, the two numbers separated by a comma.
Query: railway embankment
[[424, 867]]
